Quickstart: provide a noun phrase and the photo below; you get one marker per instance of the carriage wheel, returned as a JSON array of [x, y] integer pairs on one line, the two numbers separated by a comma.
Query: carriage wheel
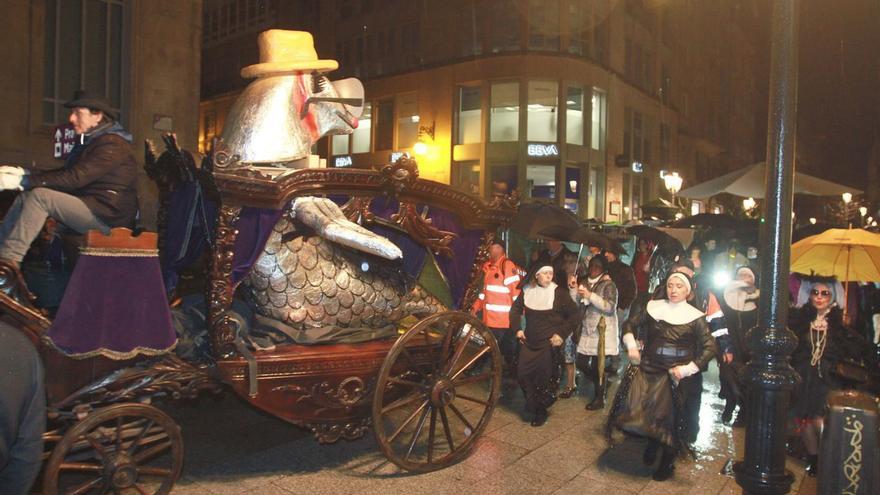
[[436, 391], [124, 448]]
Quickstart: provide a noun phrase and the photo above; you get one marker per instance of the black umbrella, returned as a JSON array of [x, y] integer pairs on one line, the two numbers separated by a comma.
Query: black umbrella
[[716, 220], [664, 241], [531, 218], [581, 235]]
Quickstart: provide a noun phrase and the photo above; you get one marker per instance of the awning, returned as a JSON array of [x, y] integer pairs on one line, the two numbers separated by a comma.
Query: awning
[[748, 182]]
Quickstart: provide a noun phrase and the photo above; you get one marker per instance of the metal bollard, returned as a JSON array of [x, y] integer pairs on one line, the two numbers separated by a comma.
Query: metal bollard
[[849, 460]]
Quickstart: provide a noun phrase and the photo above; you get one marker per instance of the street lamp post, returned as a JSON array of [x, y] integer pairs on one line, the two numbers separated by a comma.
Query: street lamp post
[[768, 375], [847, 199], [749, 204], [673, 183]]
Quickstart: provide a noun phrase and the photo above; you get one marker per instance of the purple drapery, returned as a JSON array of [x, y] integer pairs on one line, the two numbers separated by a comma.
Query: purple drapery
[[114, 306], [457, 269], [189, 225], [254, 227]]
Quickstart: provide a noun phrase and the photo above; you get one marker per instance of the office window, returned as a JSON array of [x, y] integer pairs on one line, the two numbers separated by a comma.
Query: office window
[[543, 102], [541, 181], [599, 119], [466, 176], [572, 187], [627, 180], [360, 138], [384, 125], [579, 33], [339, 144], [85, 48], [504, 113], [503, 26], [543, 22], [593, 193], [407, 120], [600, 39], [469, 115], [574, 116], [468, 38]]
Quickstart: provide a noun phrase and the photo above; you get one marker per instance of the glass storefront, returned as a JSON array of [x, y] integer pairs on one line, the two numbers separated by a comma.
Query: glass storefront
[[360, 138], [574, 116], [543, 104], [541, 180], [504, 112], [469, 115], [503, 178], [466, 176], [384, 125], [599, 120], [407, 120]]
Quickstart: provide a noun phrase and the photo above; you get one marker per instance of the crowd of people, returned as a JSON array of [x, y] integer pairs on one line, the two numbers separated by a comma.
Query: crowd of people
[[576, 317]]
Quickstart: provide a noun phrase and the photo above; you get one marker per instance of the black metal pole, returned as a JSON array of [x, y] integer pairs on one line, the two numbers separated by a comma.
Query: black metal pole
[[768, 376]]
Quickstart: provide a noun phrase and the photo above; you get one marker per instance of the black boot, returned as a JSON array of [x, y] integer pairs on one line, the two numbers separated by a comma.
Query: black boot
[[540, 416], [727, 415], [598, 401], [650, 455], [812, 465], [667, 464]]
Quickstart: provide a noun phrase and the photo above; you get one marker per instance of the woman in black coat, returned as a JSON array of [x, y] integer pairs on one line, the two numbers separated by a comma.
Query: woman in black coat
[[551, 316], [652, 400], [823, 342]]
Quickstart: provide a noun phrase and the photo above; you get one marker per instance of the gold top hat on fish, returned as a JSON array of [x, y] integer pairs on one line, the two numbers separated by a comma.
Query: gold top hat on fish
[[287, 52]]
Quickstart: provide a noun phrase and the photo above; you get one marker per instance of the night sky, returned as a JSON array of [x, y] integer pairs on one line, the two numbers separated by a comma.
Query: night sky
[[839, 88]]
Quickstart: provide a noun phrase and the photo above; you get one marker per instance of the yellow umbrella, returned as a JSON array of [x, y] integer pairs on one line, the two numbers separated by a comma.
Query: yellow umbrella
[[849, 255]]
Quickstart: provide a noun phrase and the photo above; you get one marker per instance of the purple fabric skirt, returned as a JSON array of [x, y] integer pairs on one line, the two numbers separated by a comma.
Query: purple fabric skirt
[[114, 306]]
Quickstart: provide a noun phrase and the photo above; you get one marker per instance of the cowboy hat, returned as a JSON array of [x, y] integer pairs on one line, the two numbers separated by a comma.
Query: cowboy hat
[[92, 101], [287, 52]]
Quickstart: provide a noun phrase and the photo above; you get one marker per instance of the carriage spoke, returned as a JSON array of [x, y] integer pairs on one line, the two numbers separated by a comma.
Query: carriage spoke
[[471, 379], [461, 416], [405, 401], [431, 431], [151, 452], [435, 364], [154, 471], [140, 437], [140, 489], [459, 350], [446, 429], [86, 487], [473, 360], [407, 422], [81, 466], [447, 342], [99, 449], [417, 433], [118, 433], [472, 399]]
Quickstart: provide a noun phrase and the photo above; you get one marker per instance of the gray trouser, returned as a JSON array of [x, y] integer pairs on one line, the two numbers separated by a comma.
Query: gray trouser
[[28, 213]]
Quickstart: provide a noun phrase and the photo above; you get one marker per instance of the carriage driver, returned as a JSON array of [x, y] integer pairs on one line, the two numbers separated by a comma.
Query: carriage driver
[[95, 190]]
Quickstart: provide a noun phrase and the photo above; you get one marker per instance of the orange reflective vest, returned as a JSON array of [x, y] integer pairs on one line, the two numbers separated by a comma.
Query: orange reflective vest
[[500, 281]]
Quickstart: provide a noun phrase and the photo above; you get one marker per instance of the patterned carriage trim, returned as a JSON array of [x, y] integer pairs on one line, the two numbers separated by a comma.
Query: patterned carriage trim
[[113, 252], [111, 354]]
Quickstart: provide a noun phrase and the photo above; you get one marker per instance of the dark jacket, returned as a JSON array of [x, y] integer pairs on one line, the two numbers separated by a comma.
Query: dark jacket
[[542, 324], [625, 281], [564, 265], [668, 345], [102, 172], [22, 412]]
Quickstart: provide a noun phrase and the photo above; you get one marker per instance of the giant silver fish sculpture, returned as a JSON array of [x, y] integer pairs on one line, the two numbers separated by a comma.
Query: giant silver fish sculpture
[[319, 269]]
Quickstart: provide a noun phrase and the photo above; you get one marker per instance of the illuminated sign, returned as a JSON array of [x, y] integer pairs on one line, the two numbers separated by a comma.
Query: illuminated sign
[[343, 161], [535, 149], [638, 167]]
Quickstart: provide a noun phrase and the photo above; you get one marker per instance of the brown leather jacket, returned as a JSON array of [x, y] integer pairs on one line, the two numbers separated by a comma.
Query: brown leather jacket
[[103, 175]]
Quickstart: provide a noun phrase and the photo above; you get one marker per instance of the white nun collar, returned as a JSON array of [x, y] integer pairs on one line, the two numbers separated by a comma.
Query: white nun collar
[[539, 298], [673, 313]]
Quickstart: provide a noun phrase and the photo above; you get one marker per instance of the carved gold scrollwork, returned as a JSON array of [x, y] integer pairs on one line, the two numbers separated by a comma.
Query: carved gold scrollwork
[[420, 228], [221, 288], [332, 432], [358, 208], [400, 175], [346, 394]]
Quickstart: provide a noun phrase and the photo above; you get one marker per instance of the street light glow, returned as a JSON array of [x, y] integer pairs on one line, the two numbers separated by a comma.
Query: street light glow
[[749, 203], [420, 148], [847, 197], [673, 182], [813, 220]]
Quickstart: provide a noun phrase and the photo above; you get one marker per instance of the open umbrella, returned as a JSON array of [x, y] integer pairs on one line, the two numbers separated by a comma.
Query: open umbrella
[[530, 218], [581, 235], [663, 240], [849, 255]]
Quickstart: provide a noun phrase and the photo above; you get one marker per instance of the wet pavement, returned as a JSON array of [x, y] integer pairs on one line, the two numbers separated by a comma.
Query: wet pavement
[[231, 448]]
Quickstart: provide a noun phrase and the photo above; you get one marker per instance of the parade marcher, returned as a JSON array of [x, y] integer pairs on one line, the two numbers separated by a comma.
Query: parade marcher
[[596, 291], [501, 277], [563, 261], [641, 266], [22, 412], [551, 316], [625, 281], [651, 400], [823, 342], [740, 308], [95, 190]]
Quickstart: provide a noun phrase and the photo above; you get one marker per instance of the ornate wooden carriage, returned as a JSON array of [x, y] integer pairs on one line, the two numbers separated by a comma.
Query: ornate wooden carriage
[[428, 393]]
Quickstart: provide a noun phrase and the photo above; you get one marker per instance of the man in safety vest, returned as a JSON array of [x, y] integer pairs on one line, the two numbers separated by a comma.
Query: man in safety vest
[[501, 278]]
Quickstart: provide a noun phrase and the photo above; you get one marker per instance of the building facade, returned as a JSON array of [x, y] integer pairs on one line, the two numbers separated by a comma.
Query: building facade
[[582, 103], [144, 56]]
